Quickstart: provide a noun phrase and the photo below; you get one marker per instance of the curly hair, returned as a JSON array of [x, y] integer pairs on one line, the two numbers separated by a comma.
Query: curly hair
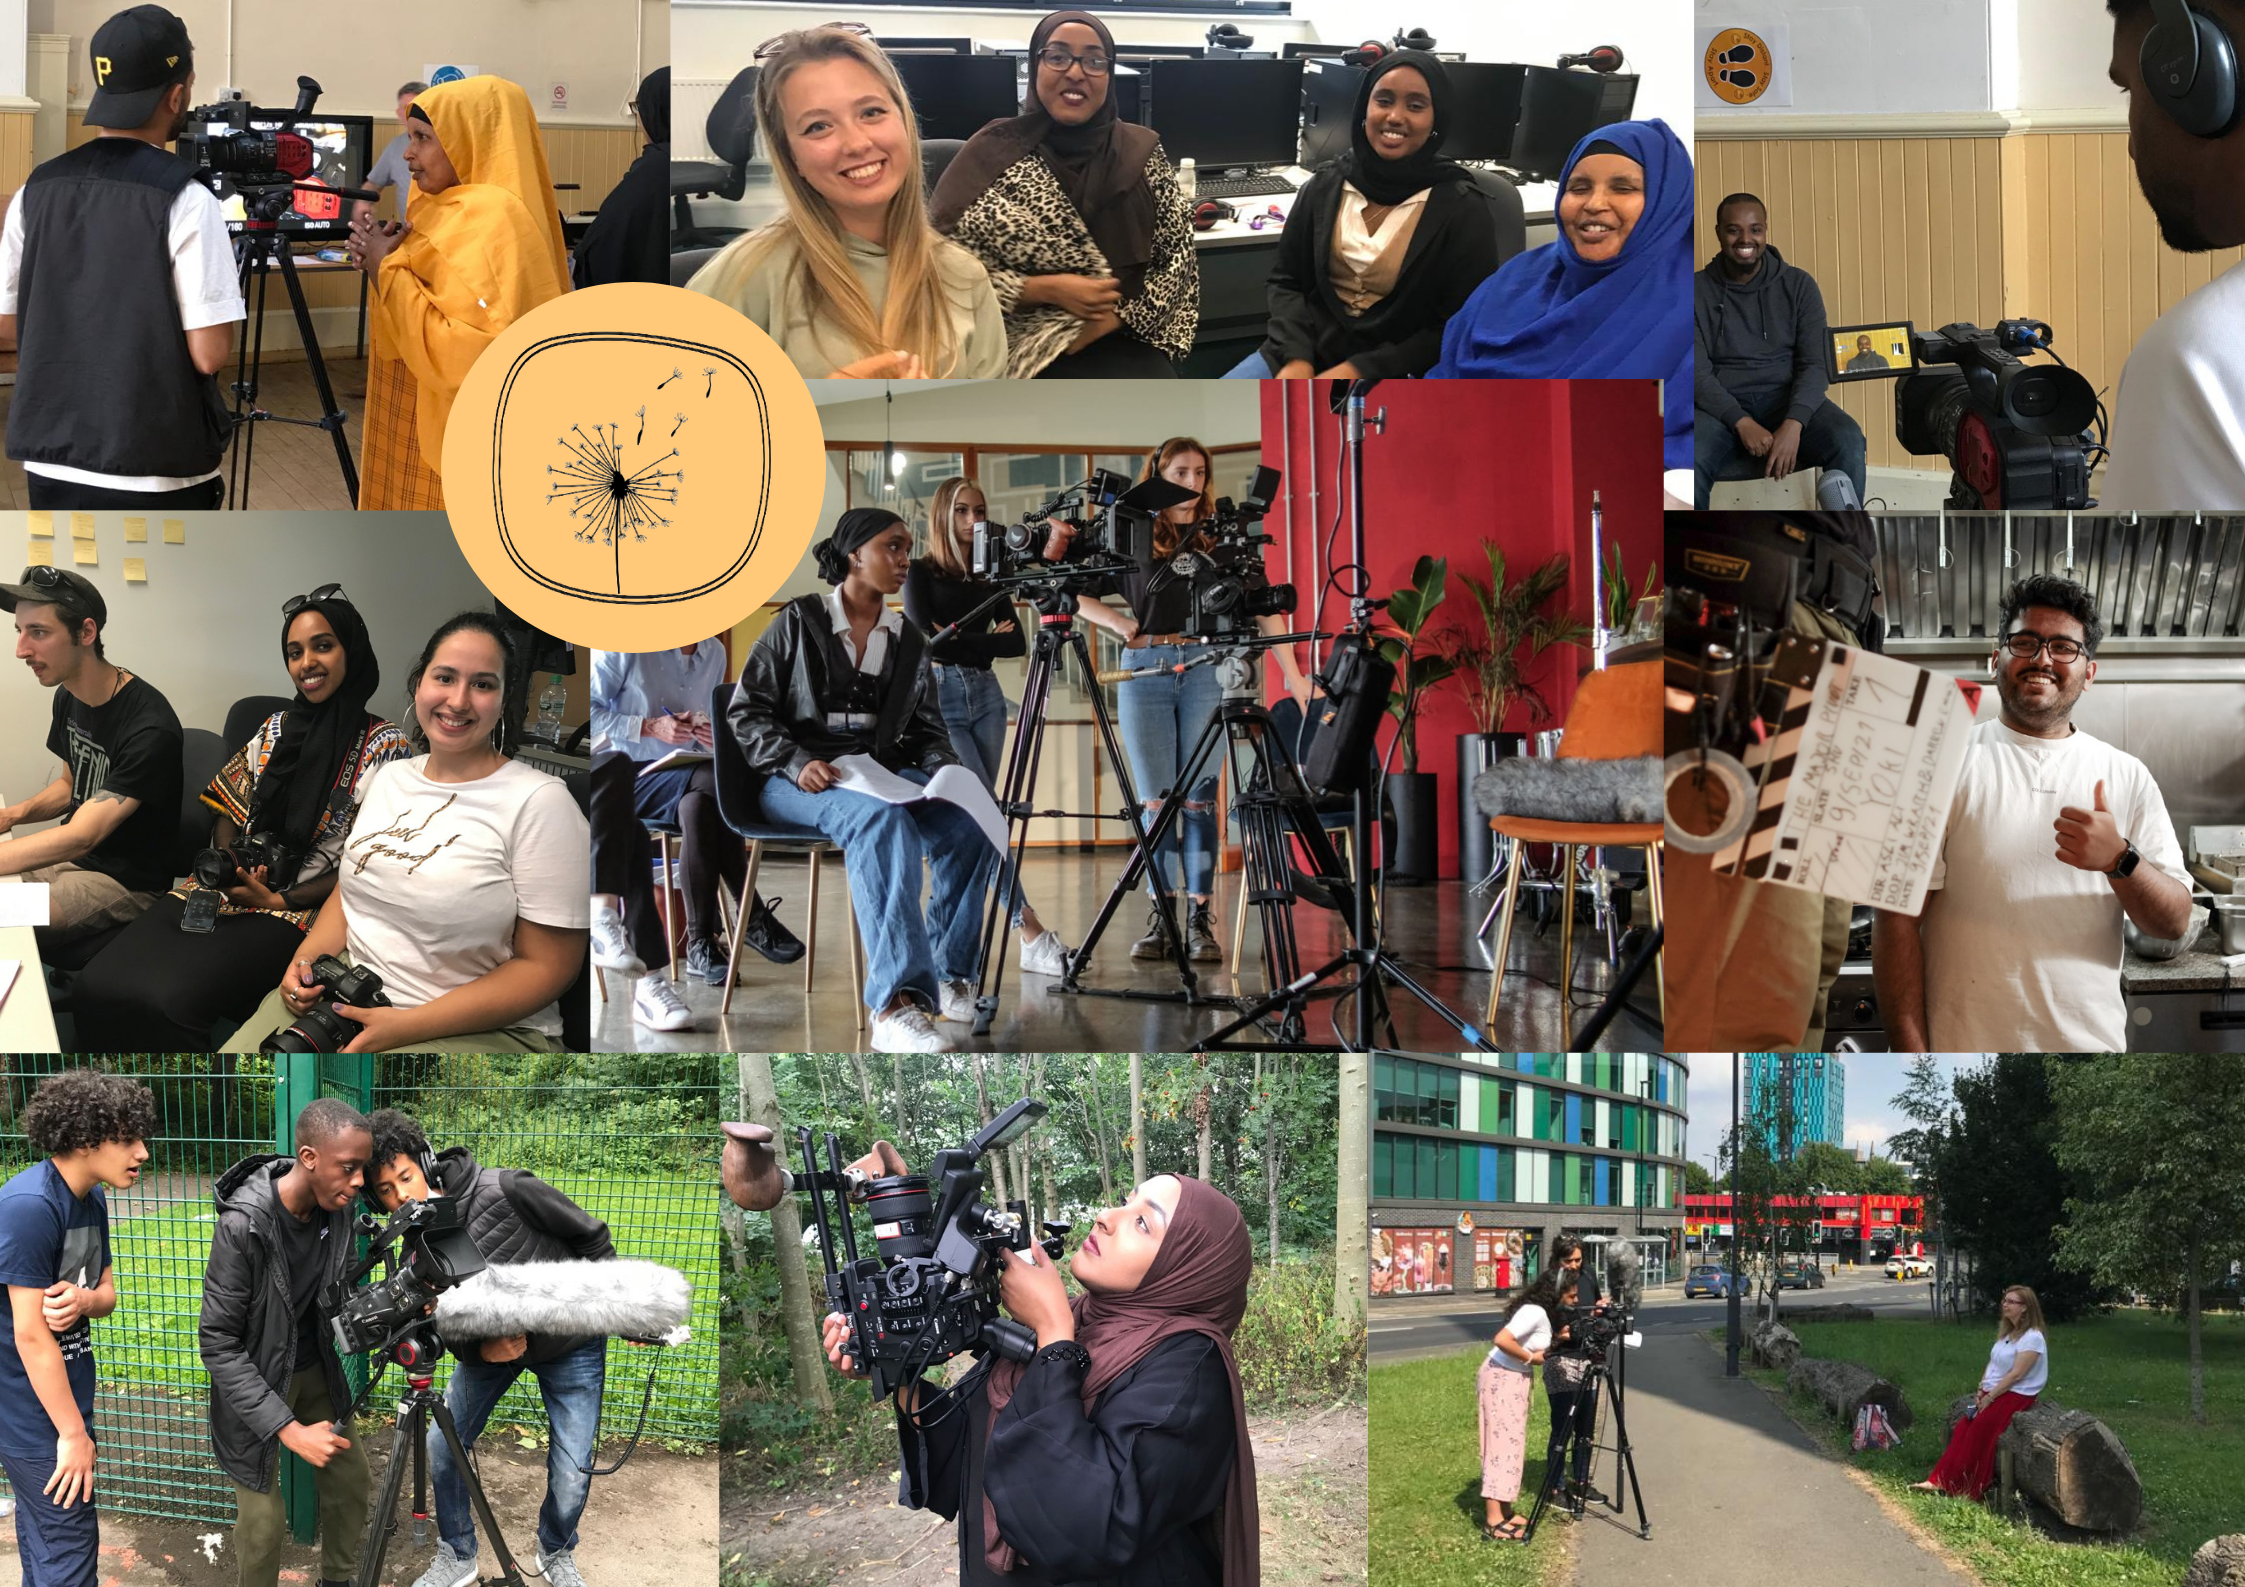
[[83, 1108], [2059, 595], [396, 1135]]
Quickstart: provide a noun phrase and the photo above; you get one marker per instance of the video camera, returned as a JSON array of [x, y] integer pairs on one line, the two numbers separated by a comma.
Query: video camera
[[931, 1292], [1113, 520], [429, 1250], [2017, 435], [319, 1028], [280, 163], [1225, 573]]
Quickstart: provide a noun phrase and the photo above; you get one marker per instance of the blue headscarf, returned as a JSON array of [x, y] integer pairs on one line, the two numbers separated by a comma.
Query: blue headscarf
[[1550, 313]]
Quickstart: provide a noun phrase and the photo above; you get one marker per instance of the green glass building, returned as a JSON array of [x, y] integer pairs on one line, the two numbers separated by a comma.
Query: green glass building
[[1478, 1160]]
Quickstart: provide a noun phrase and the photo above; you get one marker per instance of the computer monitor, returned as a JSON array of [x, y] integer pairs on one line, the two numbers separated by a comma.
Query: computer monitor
[[1297, 50], [342, 153], [949, 45], [1558, 109], [1221, 113], [1160, 52], [1484, 107], [955, 96]]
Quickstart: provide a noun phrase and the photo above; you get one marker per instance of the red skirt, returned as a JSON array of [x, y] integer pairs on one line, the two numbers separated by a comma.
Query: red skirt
[[1968, 1465]]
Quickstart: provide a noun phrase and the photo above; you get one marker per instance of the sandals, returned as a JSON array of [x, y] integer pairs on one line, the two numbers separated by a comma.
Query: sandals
[[1513, 1529], [1925, 1487]]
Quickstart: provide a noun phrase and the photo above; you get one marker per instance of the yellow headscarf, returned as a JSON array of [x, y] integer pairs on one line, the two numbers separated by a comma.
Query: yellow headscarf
[[480, 254]]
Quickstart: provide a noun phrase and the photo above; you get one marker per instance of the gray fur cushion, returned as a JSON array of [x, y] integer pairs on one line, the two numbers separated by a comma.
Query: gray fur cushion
[[1609, 791]]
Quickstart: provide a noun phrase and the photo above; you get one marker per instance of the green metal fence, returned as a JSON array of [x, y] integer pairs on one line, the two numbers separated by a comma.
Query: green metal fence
[[631, 1139]]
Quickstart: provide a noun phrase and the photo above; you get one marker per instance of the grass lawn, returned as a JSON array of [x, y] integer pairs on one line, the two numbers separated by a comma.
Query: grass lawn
[[1426, 1505], [2131, 1370]]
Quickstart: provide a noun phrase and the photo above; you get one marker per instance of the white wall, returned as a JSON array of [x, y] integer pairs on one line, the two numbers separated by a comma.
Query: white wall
[[2063, 49], [205, 629], [1872, 56], [15, 38]]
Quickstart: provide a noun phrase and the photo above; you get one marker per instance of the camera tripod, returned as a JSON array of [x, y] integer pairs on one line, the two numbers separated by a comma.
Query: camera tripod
[[259, 252], [1602, 1372], [416, 1405]]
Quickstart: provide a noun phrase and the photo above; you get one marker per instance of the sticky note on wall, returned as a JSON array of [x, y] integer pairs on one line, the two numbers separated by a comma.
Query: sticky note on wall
[[81, 526], [175, 531], [87, 555], [43, 523], [136, 570], [136, 531], [42, 554]]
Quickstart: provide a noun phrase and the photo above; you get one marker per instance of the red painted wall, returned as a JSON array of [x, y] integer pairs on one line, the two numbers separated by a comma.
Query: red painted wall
[[1511, 460]]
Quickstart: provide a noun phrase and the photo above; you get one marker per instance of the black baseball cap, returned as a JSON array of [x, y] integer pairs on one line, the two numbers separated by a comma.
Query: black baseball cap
[[137, 55], [74, 593]]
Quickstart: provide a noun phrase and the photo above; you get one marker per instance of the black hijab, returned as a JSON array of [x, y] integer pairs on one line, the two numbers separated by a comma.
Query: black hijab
[[653, 102], [629, 239], [1386, 181], [301, 773], [1100, 165], [854, 529]]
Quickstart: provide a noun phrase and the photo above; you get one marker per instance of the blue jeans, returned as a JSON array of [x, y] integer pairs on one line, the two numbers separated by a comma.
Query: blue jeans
[[1162, 719], [1253, 367], [906, 950], [56, 1547], [1829, 439], [974, 709], [570, 1386]]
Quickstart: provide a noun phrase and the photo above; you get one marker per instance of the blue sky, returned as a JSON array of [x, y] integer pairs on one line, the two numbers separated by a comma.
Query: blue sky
[[1872, 1080]]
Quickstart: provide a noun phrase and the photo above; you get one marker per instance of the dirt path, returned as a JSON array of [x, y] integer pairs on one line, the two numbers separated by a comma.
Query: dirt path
[[653, 1524], [1310, 1477]]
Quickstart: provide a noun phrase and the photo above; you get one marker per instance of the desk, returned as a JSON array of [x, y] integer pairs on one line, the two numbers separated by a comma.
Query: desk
[[311, 264], [27, 1023]]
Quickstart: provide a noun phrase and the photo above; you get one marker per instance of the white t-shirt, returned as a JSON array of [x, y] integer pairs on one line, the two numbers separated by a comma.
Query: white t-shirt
[[2006, 1354], [436, 873], [2022, 951], [204, 280], [2178, 422], [1531, 1331]]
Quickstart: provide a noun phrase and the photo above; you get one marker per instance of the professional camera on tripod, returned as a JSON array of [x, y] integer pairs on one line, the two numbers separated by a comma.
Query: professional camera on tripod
[[1224, 568], [930, 1291], [2017, 435], [1113, 522]]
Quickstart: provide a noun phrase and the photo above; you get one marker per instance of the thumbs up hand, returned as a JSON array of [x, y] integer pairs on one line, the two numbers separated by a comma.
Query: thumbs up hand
[[2090, 840]]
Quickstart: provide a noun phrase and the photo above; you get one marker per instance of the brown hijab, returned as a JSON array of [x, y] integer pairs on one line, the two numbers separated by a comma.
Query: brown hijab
[[1100, 165], [1197, 1285]]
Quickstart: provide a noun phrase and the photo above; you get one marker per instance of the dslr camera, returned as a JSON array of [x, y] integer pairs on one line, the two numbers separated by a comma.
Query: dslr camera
[[429, 1250], [1225, 571], [1113, 520], [929, 1289], [215, 870], [319, 1028]]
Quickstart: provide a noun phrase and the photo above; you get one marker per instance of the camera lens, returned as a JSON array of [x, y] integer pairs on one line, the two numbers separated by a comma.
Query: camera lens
[[901, 1208]]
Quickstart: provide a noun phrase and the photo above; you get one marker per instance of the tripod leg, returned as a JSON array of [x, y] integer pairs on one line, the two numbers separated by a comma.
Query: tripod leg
[[1627, 1461], [507, 1569], [1018, 792], [382, 1520], [1567, 949], [331, 416]]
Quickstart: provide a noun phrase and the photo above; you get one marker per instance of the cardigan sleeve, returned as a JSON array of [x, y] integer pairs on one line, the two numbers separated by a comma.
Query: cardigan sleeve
[[1291, 331], [1167, 314]]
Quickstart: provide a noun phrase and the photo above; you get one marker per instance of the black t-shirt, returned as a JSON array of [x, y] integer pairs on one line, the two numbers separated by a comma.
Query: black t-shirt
[[129, 747], [934, 600], [307, 1265]]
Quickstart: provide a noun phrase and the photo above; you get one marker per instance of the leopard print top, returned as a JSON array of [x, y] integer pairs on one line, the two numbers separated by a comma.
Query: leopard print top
[[1024, 225]]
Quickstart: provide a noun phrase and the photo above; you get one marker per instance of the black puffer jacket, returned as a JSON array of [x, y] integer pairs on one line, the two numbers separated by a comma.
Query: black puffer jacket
[[248, 1330], [799, 670], [514, 1216]]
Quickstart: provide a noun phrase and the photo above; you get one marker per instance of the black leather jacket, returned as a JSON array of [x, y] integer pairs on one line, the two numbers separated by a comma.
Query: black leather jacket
[[798, 671]]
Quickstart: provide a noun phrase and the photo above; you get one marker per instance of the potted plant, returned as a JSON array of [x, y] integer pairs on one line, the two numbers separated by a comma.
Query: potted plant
[[1622, 608], [1491, 665], [1420, 665]]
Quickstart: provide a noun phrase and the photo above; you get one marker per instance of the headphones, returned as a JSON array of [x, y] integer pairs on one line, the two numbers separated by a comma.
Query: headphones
[[1209, 211], [2189, 63]]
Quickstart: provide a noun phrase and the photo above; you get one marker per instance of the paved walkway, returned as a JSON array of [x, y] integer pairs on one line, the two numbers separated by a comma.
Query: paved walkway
[[1734, 1490]]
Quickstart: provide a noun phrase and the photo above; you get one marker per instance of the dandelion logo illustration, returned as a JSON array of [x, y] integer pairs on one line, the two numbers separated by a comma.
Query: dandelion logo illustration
[[609, 498]]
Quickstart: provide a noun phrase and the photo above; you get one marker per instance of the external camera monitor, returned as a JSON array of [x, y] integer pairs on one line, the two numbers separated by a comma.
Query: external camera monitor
[[1870, 352]]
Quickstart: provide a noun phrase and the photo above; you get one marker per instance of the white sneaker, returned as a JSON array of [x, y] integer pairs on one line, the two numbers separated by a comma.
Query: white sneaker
[[611, 949], [1045, 955], [908, 1030], [560, 1568], [957, 1001], [448, 1570], [655, 1003]]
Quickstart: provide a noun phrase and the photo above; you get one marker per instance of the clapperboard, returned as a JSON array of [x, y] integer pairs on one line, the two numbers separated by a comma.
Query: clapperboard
[[1855, 783]]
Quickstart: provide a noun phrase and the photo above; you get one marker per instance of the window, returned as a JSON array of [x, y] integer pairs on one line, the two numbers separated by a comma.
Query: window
[[1383, 1165], [1429, 1176]]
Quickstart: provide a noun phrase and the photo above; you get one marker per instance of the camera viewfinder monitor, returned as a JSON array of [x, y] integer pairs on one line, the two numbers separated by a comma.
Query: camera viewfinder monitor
[[956, 96], [1484, 108], [1558, 109], [1226, 113], [342, 153], [1870, 352]]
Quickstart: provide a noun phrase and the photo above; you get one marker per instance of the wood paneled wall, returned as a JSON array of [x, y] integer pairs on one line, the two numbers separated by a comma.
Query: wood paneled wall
[[2045, 225], [15, 149]]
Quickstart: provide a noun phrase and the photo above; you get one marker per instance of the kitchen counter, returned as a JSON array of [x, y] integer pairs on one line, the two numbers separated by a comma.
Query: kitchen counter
[[2200, 970]]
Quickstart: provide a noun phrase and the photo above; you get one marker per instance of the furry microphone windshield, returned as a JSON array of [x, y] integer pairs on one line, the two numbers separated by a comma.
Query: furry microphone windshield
[[637, 1299]]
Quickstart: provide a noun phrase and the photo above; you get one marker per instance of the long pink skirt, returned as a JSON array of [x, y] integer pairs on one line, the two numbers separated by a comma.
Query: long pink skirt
[[1504, 1431]]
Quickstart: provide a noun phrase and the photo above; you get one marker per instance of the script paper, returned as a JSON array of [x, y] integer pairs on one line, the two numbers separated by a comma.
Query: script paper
[[953, 784], [1860, 778], [23, 905]]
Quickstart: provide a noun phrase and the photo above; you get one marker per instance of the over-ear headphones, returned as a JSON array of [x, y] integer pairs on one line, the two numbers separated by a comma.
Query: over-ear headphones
[[2189, 63], [1209, 211], [1366, 54]]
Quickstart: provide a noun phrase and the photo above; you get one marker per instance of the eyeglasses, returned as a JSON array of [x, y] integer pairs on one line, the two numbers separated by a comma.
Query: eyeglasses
[[2025, 647], [1059, 57], [778, 41], [326, 592]]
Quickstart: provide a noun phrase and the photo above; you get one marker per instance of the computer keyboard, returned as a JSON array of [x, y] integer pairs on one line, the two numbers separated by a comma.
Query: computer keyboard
[[1256, 184]]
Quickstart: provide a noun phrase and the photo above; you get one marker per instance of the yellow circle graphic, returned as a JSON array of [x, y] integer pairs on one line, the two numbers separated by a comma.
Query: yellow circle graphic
[[1738, 66], [634, 467]]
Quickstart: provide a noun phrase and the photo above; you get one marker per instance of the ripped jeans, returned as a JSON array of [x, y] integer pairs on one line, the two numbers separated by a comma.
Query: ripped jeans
[[1162, 720]]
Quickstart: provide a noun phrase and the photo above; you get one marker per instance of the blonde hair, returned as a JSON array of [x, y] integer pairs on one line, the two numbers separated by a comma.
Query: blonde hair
[[915, 314], [2030, 1313], [1166, 538], [943, 549]]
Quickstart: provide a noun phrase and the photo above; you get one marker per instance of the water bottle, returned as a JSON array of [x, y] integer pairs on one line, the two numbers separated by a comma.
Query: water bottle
[[1188, 180], [552, 700]]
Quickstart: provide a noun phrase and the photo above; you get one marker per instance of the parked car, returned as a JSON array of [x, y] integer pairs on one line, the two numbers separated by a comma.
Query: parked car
[[1800, 1275], [1909, 1267], [1709, 1280]]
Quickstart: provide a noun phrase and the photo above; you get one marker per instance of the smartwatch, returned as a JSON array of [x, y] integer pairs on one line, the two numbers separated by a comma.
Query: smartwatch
[[2125, 866]]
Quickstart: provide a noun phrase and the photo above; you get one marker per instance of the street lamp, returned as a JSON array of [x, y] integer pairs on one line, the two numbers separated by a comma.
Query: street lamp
[[1730, 1342]]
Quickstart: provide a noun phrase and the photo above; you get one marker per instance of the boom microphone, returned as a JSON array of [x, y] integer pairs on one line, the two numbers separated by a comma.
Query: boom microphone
[[1625, 1279], [1605, 58], [630, 1297]]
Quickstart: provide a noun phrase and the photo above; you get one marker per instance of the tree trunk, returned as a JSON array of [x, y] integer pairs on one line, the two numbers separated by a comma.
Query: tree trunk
[[1137, 1118], [903, 1131], [1271, 1165], [733, 1219], [1352, 1219], [2070, 1464], [997, 1160], [1843, 1388], [799, 1308], [1098, 1119], [865, 1090], [1203, 1107], [2197, 1359]]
